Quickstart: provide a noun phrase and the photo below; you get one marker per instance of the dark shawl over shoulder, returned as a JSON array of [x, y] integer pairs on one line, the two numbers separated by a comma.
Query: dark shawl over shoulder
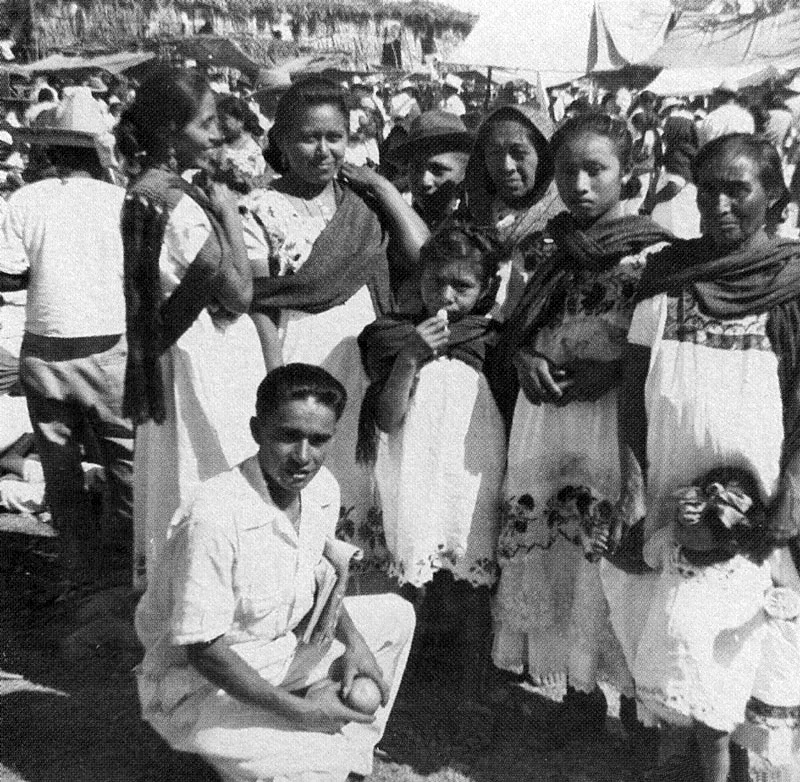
[[348, 254], [381, 341], [155, 322], [736, 285], [598, 248]]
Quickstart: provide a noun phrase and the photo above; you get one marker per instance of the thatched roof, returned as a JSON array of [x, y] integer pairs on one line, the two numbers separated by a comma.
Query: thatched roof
[[416, 12]]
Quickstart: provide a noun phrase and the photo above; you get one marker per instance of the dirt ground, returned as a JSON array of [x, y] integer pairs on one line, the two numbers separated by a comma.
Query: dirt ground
[[68, 708]]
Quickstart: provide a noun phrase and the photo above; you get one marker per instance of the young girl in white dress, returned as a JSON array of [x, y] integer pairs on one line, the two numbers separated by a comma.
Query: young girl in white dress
[[441, 453], [551, 613], [702, 642]]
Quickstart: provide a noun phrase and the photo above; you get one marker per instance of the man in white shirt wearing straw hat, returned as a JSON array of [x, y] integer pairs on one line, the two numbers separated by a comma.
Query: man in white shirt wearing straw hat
[[72, 362]]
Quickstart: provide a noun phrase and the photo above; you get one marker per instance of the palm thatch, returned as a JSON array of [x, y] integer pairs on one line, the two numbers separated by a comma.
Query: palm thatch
[[412, 12]]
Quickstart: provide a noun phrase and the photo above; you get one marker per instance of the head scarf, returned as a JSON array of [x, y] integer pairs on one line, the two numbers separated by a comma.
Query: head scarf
[[382, 340], [734, 285], [597, 248], [543, 199]]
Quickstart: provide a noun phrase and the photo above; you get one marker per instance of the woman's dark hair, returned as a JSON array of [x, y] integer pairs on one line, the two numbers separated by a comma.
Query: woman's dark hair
[[239, 110], [300, 97], [457, 240], [166, 101], [752, 540], [762, 153], [299, 381], [544, 167], [614, 129]]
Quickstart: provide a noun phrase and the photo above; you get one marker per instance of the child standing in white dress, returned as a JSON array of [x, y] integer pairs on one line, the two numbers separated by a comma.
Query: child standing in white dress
[[552, 616], [440, 456], [702, 642]]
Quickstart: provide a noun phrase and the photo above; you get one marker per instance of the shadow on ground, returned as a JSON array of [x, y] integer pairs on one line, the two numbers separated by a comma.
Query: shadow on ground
[[69, 712]]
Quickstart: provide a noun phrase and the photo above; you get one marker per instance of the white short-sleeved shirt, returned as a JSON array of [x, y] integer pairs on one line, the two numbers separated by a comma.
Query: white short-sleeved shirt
[[234, 566], [69, 232], [188, 229]]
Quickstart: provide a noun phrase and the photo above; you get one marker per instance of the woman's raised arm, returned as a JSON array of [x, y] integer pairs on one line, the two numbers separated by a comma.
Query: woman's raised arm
[[407, 230]]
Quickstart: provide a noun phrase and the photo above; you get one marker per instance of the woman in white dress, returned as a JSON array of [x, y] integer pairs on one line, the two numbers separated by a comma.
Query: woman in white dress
[[566, 340], [194, 362], [331, 230], [710, 381]]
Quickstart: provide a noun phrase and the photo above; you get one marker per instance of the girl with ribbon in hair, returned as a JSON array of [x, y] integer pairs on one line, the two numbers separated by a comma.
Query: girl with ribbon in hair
[[431, 424], [702, 641], [710, 376], [565, 340]]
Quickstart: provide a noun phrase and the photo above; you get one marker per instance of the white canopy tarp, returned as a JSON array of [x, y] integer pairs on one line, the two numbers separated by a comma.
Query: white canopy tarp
[[702, 81], [564, 37]]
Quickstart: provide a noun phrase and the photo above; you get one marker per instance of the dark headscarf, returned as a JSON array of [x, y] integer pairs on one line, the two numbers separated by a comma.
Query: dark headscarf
[[735, 285], [597, 249], [543, 200], [348, 254], [382, 340], [155, 321]]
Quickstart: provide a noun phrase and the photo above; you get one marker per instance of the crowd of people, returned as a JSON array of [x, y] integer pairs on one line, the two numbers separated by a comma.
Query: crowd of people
[[551, 366]]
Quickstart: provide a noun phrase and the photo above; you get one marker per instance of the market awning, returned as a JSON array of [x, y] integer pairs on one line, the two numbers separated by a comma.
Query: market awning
[[564, 39], [215, 50], [702, 81], [713, 41], [113, 63]]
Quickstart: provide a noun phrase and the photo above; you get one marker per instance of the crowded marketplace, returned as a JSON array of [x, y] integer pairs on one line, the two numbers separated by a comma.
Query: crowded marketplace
[[427, 412]]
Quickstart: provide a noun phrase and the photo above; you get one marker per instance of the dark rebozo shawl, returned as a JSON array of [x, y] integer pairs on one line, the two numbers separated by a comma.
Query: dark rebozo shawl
[[382, 340], [155, 322], [349, 253], [742, 283], [597, 248]]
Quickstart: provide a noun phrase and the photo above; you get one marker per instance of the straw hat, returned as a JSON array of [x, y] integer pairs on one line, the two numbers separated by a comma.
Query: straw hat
[[96, 84], [451, 80], [77, 121], [434, 130]]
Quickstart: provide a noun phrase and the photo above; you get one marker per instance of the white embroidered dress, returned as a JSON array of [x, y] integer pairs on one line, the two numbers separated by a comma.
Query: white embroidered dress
[[328, 339], [210, 379], [563, 468], [713, 399], [440, 478]]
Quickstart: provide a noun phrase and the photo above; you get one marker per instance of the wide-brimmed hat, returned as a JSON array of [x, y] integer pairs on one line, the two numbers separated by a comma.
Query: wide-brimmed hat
[[77, 121], [96, 84], [434, 130], [671, 103]]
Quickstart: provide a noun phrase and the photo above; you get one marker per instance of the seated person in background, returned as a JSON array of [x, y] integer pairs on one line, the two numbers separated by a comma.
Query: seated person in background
[[225, 674]]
